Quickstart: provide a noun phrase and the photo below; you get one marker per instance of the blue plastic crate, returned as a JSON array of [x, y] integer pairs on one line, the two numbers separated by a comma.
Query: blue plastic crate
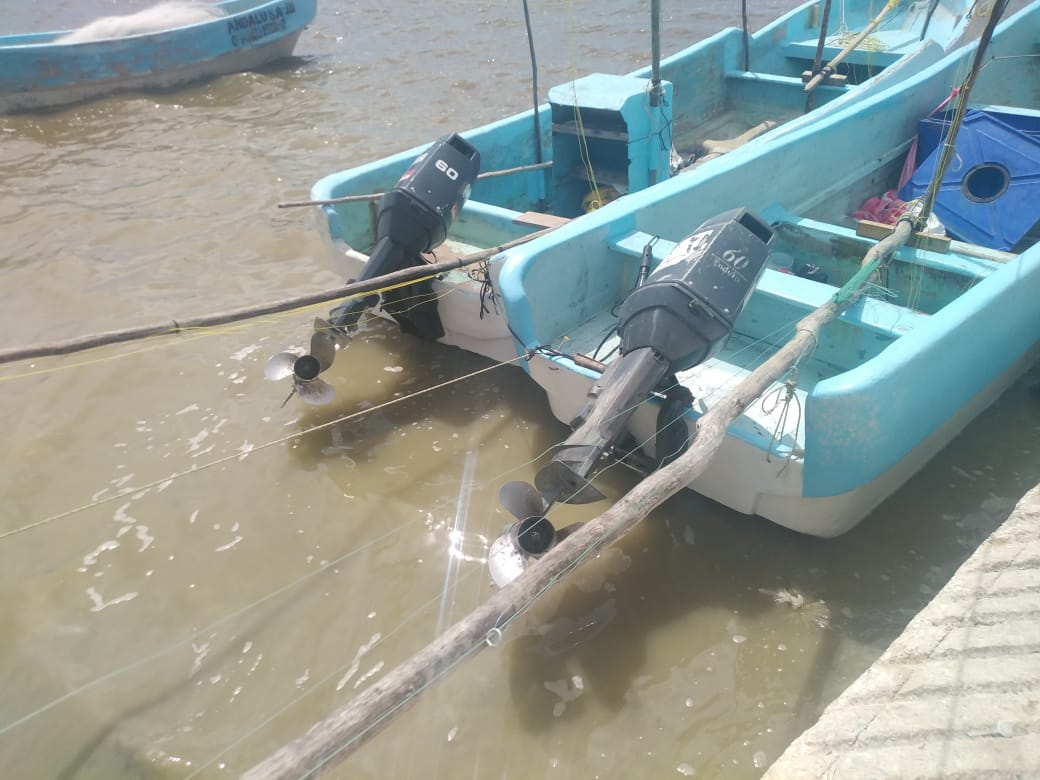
[[990, 194], [932, 129]]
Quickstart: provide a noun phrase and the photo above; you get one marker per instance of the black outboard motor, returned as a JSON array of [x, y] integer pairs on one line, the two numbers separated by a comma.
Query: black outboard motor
[[681, 316], [414, 217]]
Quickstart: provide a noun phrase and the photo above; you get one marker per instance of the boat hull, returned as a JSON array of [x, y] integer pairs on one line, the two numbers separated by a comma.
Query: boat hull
[[743, 477], [862, 429], [711, 90], [870, 419], [39, 72]]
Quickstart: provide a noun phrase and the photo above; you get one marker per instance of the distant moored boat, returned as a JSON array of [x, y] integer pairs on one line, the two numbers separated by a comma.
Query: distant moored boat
[[165, 46]]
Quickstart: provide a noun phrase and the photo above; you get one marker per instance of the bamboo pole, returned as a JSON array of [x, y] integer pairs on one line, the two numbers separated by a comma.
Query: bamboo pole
[[405, 275], [377, 195], [336, 737], [828, 69]]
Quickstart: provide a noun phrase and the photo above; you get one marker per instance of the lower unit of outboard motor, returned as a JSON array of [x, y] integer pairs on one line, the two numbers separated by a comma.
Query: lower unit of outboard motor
[[412, 218], [679, 317]]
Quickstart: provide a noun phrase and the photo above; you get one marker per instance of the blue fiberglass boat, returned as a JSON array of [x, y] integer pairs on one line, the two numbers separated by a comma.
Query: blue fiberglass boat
[[944, 329], [166, 46]]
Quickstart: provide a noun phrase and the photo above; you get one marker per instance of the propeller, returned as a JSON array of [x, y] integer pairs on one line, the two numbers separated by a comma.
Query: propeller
[[530, 536], [304, 369], [521, 499]]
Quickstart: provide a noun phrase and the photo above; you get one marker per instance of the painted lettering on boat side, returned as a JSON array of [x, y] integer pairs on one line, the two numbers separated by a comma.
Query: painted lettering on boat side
[[253, 26]]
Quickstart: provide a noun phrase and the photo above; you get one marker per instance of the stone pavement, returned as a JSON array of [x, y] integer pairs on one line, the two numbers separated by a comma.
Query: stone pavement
[[957, 695]]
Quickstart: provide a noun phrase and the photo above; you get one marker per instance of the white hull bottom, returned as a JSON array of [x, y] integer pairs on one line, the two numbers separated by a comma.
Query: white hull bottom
[[234, 62], [741, 476]]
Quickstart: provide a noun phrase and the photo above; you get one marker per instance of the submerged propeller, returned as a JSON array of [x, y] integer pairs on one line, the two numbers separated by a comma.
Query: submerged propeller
[[531, 535], [304, 369]]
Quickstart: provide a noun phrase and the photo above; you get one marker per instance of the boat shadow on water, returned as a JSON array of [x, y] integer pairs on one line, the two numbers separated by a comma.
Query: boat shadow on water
[[382, 398], [806, 614]]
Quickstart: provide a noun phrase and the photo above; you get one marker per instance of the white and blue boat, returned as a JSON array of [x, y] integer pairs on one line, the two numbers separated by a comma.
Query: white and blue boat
[[950, 323], [163, 47], [946, 326]]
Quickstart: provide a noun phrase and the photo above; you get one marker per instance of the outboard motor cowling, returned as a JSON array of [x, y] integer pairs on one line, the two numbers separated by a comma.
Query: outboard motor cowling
[[415, 216], [686, 309]]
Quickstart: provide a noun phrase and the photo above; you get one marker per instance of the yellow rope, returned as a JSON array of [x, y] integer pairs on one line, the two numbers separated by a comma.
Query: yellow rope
[[583, 148], [161, 341]]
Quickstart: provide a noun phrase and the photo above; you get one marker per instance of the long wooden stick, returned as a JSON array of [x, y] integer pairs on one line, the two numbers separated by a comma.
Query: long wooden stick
[[377, 195], [810, 99], [828, 69], [333, 739], [414, 273]]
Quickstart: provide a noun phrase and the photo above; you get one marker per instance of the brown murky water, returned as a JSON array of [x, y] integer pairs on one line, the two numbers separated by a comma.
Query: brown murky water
[[191, 575]]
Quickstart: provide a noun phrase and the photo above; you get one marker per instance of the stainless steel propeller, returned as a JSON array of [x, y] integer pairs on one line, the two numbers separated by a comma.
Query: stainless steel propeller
[[304, 369], [521, 499], [530, 536]]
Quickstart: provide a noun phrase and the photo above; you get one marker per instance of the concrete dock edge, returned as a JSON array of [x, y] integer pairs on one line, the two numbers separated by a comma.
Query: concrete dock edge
[[957, 695]]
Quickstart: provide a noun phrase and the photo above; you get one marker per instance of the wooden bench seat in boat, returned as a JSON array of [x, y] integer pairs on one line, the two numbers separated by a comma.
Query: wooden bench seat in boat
[[752, 87], [886, 47]]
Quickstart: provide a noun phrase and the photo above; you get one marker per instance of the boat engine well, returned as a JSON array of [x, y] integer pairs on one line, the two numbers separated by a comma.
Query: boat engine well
[[675, 318]]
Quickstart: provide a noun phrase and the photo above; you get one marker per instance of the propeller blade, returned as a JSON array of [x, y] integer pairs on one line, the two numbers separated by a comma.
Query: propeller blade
[[315, 392], [339, 337], [280, 366], [521, 500], [505, 562], [323, 347]]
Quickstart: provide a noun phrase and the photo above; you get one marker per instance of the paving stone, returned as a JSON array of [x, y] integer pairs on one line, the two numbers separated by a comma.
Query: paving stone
[[957, 695]]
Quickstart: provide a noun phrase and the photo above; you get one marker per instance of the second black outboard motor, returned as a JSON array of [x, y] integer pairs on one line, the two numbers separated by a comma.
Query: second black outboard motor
[[681, 316], [414, 217]]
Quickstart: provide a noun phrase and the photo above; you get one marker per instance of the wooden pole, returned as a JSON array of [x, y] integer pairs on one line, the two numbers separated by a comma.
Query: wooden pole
[[336, 737], [810, 99], [828, 69], [405, 275], [949, 147], [538, 166]]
